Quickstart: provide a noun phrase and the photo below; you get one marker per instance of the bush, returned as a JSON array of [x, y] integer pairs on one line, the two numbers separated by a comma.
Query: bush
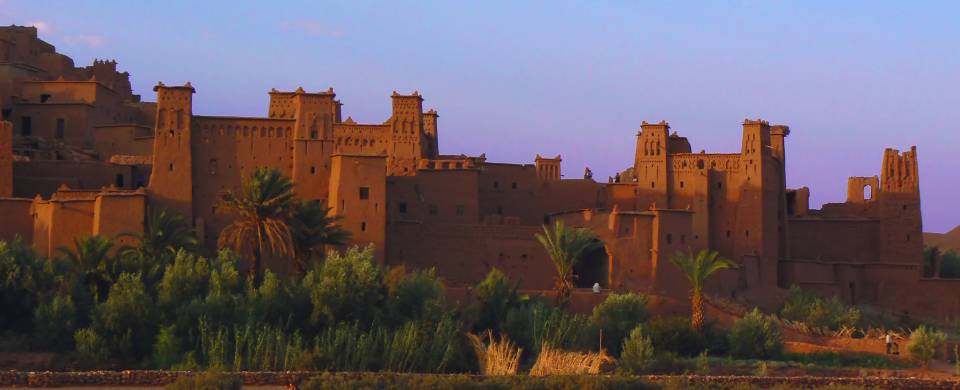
[[210, 380], [817, 312], [126, 319], [756, 336], [55, 323], [496, 295], [90, 348], [167, 349], [637, 354], [346, 287], [617, 316], [674, 334], [924, 344], [416, 295], [535, 323]]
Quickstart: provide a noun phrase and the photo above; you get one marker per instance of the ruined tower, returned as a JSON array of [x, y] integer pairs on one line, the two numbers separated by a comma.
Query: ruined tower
[[171, 181], [430, 147], [899, 200]]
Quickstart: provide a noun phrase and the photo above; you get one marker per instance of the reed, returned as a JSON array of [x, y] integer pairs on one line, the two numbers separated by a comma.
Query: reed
[[552, 361], [496, 357]]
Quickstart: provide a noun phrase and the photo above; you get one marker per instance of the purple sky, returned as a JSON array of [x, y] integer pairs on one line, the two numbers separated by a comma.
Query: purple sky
[[512, 80]]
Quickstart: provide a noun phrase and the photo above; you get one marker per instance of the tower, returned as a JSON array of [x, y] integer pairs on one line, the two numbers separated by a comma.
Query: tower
[[406, 130], [548, 168], [431, 145], [650, 165], [171, 181], [899, 199], [312, 141], [755, 231]]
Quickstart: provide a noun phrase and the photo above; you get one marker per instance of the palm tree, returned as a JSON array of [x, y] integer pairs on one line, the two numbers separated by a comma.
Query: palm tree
[[165, 232], [697, 269], [91, 257], [262, 228], [564, 246], [313, 226]]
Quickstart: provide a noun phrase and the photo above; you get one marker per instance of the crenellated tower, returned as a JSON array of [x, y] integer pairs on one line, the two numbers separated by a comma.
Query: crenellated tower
[[899, 199], [406, 130], [171, 181], [315, 114], [756, 232], [431, 145], [650, 165]]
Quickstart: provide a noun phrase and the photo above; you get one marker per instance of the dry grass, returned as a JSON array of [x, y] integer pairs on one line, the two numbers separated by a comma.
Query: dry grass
[[557, 362], [499, 357]]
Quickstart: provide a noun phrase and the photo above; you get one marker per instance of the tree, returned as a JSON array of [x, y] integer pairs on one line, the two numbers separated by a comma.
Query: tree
[[565, 246], [924, 343], [755, 336], [697, 269], [91, 258], [346, 287], [313, 226], [617, 316], [262, 228], [164, 233]]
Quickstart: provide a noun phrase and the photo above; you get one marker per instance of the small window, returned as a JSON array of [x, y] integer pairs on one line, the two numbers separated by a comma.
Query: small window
[[402, 207], [681, 184], [61, 127], [170, 167], [26, 126], [44, 98], [728, 234], [669, 239], [313, 170], [461, 209], [313, 134], [653, 185], [363, 226], [746, 233], [513, 185], [5, 114], [364, 193], [867, 192], [496, 184], [119, 180], [434, 210], [719, 184], [499, 210]]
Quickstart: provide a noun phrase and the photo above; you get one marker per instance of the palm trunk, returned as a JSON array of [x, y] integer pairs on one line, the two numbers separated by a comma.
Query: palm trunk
[[696, 317], [258, 258]]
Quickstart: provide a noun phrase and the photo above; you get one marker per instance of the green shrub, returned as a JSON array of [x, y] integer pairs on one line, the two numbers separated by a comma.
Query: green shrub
[[924, 344], [90, 348], [167, 348], [638, 352], [818, 312], [55, 323], [346, 287], [126, 320], [209, 380], [949, 264], [674, 334], [416, 295], [617, 316], [20, 288], [496, 295], [536, 322], [756, 336]]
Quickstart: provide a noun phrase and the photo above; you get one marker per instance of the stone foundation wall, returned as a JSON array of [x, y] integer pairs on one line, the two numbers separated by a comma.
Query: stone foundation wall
[[160, 378]]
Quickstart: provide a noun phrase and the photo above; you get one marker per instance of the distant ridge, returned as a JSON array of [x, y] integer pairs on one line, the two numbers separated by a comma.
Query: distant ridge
[[948, 240]]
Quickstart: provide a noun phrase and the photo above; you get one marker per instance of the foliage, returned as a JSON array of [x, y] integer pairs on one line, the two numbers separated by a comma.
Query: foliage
[[617, 316], [346, 287], [54, 324], [756, 336], [697, 268], [20, 284], [164, 234], [262, 228], [533, 323], [674, 334], [817, 312], [845, 359], [313, 226], [90, 256], [638, 351], [416, 295], [949, 264], [209, 380], [125, 321], [496, 295], [565, 246], [924, 344]]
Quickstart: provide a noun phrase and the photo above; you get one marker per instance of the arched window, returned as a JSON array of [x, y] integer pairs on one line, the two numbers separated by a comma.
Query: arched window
[[867, 192]]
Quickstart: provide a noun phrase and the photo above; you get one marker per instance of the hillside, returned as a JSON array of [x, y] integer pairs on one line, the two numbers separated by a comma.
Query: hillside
[[946, 240]]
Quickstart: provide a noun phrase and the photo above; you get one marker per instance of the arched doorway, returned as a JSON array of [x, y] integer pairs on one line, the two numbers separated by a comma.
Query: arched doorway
[[593, 267]]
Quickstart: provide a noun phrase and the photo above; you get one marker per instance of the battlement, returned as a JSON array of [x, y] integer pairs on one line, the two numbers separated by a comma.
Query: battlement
[[900, 172]]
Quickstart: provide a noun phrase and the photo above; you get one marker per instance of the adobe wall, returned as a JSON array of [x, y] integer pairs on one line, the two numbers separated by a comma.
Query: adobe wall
[[59, 222], [122, 139], [16, 219], [44, 177], [510, 190], [43, 118], [6, 159], [835, 239], [358, 194], [464, 254], [435, 196], [118, 213]]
